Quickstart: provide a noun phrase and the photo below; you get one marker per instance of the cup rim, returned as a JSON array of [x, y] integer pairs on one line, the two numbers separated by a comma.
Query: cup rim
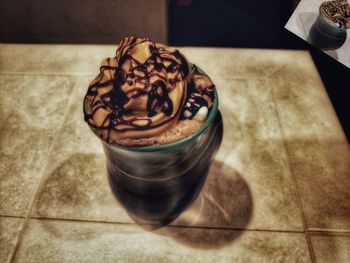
[[160, 147]]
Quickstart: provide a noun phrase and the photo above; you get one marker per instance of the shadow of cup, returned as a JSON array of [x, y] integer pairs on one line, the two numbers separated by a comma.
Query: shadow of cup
[[223, 207], [170, 197]]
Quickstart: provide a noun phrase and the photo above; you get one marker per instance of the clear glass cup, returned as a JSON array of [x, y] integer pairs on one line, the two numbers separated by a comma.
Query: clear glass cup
[[326, 35], [157, 182], [180, 172]]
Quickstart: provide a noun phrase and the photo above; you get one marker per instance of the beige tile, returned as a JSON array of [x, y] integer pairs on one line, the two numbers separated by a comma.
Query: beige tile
[[85, 59], [76, 185], [250, 185], [317, 147], [60, 241], [9, 231], [302, 102], [31, 112], [54, 59], [322, 169], [240, 63], [331, 248]]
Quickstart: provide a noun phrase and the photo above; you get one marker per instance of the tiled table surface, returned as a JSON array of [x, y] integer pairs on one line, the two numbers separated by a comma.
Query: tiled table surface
[[278, 190]]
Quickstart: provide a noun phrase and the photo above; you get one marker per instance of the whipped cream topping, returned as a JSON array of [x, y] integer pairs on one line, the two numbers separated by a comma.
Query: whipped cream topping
[[144, 91], [337, 12]]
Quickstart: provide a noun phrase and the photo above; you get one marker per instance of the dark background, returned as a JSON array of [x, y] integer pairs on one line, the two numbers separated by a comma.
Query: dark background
[[256, 24], [220, 23]]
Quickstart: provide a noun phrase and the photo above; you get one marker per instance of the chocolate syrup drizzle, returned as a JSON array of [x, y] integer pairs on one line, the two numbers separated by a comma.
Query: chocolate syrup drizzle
[[157, 92], [338, 12]]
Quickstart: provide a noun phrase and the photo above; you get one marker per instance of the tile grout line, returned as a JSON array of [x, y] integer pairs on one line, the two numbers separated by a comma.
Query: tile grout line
[[40, 183], [8, 216], [277, 70], [329, 233], [295, 187], [161, 226], [323, 232]]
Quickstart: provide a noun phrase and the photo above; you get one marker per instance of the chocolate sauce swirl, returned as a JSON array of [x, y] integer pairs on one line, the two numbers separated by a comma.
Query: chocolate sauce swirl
[[338, 12], [142, 89]]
